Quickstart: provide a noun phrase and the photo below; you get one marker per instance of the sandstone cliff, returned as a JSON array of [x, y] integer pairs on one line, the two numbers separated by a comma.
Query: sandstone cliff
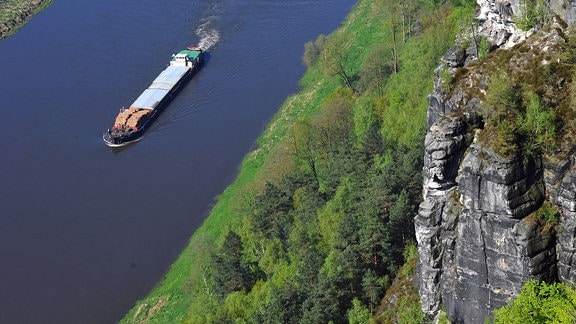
[[479, 231]]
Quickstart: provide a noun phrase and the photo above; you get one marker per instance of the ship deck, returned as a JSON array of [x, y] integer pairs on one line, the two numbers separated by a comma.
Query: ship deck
[[160, 87]]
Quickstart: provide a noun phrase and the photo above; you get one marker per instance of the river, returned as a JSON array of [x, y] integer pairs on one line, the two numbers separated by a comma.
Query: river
[[86, 230]]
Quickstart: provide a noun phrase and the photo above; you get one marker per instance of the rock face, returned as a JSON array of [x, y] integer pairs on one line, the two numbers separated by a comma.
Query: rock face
[[479, 238], [496, 19], [496, 22]]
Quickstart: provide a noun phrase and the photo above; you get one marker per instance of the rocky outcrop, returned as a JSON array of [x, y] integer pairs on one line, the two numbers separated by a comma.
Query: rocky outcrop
[[496, 22], [496, 19], [479, 234], [478, 241]]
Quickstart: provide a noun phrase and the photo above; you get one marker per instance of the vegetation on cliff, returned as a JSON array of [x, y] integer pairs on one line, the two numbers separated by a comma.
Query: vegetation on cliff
[[526, 92], [15, 13], [539, 302], [316, 225]]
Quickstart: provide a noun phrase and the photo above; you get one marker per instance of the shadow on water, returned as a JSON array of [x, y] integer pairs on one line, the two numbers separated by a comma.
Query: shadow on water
[[206, 56]]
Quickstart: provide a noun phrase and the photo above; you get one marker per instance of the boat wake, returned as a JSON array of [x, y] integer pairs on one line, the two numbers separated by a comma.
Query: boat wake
[[208, 35]]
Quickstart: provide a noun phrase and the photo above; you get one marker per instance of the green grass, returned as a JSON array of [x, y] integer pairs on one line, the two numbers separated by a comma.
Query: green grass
[[15, 13]]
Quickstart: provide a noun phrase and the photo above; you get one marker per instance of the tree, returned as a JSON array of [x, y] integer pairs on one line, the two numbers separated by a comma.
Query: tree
[[358, 314], [500, 111], [284, 306], [323, 304], [569, 50], [270, 212], [229, 271], [400, 226], [312, 50], [333, 128], [373, 243], [539, 302], [372, 289], [375, 68], [394, 18], [305, 149], [537, 125], [336, 62], [502, 99], [334, 124], [532, 14]]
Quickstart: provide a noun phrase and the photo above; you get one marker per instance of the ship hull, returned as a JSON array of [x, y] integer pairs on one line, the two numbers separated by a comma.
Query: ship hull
[[135, 136]]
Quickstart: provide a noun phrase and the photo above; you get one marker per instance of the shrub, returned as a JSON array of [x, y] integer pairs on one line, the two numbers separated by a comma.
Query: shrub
[[539, 302], [312, 50], [537, 125], [532, 14]]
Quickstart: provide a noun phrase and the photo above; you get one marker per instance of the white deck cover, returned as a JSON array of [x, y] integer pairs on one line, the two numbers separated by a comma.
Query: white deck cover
[[160, 87], [150, 98], [169, 77]]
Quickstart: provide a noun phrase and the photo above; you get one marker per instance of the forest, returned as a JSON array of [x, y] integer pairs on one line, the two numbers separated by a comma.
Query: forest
[[319, 222]]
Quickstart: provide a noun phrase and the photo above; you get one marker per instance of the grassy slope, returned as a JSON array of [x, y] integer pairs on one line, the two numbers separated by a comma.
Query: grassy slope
[[169, 301], [15, 13]]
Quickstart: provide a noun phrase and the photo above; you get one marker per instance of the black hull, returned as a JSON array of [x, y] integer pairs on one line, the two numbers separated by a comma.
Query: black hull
[[138, 134]]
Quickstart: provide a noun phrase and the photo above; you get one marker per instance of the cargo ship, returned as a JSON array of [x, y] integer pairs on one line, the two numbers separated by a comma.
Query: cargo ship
[[132, 122]]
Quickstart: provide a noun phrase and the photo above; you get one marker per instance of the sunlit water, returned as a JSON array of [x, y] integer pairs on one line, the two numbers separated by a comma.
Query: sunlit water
[[85, 231]]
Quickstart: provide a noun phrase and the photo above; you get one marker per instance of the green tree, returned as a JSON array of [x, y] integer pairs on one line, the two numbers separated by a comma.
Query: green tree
[[336, 62], [372, 289], [539, 302], [569, 50], [400, 225], [537, 125], [270, 213], [375, 69], [358, 314], [502, 99], [230, 272], [284, 305], [333, 129], [323, 304], [313, 49], [305, 146], [395, 20], [532, 14], [373, 245], [500, 112]]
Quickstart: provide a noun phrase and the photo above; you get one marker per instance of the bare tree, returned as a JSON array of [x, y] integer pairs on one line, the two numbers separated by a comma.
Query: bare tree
[[335, 61]]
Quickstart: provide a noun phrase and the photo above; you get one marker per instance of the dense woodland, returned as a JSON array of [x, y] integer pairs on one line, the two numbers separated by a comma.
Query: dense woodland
[[320, 218]]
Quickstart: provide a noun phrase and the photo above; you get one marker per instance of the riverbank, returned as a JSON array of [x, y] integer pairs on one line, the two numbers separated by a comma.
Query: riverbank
[[14, 14]]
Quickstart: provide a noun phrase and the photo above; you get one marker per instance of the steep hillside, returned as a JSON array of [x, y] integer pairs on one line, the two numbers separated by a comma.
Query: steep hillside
[[314, 228], [499, 185]]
